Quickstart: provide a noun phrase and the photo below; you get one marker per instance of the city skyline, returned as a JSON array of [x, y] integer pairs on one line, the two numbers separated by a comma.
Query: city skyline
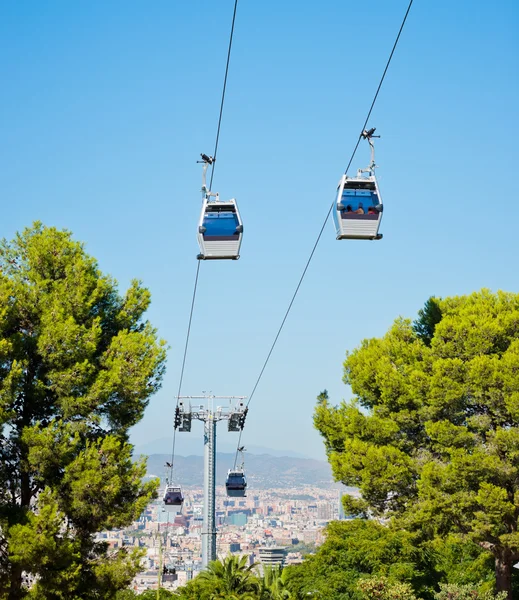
[[284, 520]]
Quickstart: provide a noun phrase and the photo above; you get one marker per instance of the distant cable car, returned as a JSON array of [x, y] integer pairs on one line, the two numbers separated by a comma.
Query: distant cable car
[[236, 484], [169, 574], [220, 229], [173, 497], [358, 210]]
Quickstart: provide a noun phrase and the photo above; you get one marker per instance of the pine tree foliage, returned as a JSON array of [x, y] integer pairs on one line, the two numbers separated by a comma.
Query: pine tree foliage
[[432, 435], [381, 588], [78, 365], [466, 592], [428, 317], [356, 549]]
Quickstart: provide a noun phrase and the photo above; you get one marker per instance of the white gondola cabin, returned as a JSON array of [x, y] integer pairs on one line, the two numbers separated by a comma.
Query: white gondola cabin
[[173, 498], [358, 209], [220, 229], [236, 483]]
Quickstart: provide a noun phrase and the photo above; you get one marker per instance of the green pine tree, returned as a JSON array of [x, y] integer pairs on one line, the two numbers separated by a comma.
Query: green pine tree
[[381, 588], [356, 549], [78, 365], [428, 317], [432, 436]]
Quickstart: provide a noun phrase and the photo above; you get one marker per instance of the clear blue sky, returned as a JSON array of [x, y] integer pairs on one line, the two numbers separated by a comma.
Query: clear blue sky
[[105, 107]]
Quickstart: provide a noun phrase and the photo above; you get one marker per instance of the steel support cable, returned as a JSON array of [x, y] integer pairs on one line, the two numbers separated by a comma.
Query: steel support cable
[[223, 94], [325, 220], [236, 455], [198, 267], [183, 367], [284, 320], [378, 88], [165, 545]]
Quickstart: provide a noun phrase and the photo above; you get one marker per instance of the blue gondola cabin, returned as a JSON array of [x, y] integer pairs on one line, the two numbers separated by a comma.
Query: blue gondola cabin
[[220, 230]]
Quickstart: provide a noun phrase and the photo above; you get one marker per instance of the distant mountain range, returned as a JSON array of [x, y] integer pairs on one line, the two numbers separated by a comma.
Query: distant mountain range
[[263, 471], [195, 446]]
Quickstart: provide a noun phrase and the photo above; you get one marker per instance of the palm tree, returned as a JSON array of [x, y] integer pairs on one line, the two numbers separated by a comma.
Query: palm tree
[[274, 585], [229, 578]]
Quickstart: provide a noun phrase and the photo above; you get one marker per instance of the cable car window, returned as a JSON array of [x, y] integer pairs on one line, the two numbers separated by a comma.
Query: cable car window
[[173, 496], [220, 223], [236, 479], [358, 201], [359, 185]]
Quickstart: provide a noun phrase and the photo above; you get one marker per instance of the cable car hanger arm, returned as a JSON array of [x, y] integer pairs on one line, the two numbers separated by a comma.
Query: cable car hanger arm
[[367, 134], [206, 161]]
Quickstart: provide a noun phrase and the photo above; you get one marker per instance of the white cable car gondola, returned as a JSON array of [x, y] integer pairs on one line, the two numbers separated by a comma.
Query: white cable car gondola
[[358, 210], [220, 229], [173, 498], [236, 483]]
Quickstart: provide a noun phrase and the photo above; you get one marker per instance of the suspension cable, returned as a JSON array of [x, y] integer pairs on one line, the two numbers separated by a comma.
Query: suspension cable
[[223, 93], [198, 267], [325, 220], [237, 449], [183, 367], [378, 88]]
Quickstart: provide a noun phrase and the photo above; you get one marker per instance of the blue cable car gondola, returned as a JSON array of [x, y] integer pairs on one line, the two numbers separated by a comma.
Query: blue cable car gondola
[[236, 484], [220, 229], [358, 208]]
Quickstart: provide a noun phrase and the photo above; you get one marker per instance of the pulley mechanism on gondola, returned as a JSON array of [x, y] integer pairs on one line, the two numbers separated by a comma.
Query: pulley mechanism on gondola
[[220, 228], [358, 209]]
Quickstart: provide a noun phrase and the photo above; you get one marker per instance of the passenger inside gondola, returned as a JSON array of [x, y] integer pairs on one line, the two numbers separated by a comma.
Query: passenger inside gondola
[[173, 496], [359, 204]]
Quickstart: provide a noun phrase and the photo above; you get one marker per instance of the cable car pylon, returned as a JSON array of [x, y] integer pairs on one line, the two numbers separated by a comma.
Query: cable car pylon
[[210, 416]]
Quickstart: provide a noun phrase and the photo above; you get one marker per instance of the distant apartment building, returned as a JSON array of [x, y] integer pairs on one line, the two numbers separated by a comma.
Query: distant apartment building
[[239, 519], [325, 511], [272, 556], [341, 506]]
